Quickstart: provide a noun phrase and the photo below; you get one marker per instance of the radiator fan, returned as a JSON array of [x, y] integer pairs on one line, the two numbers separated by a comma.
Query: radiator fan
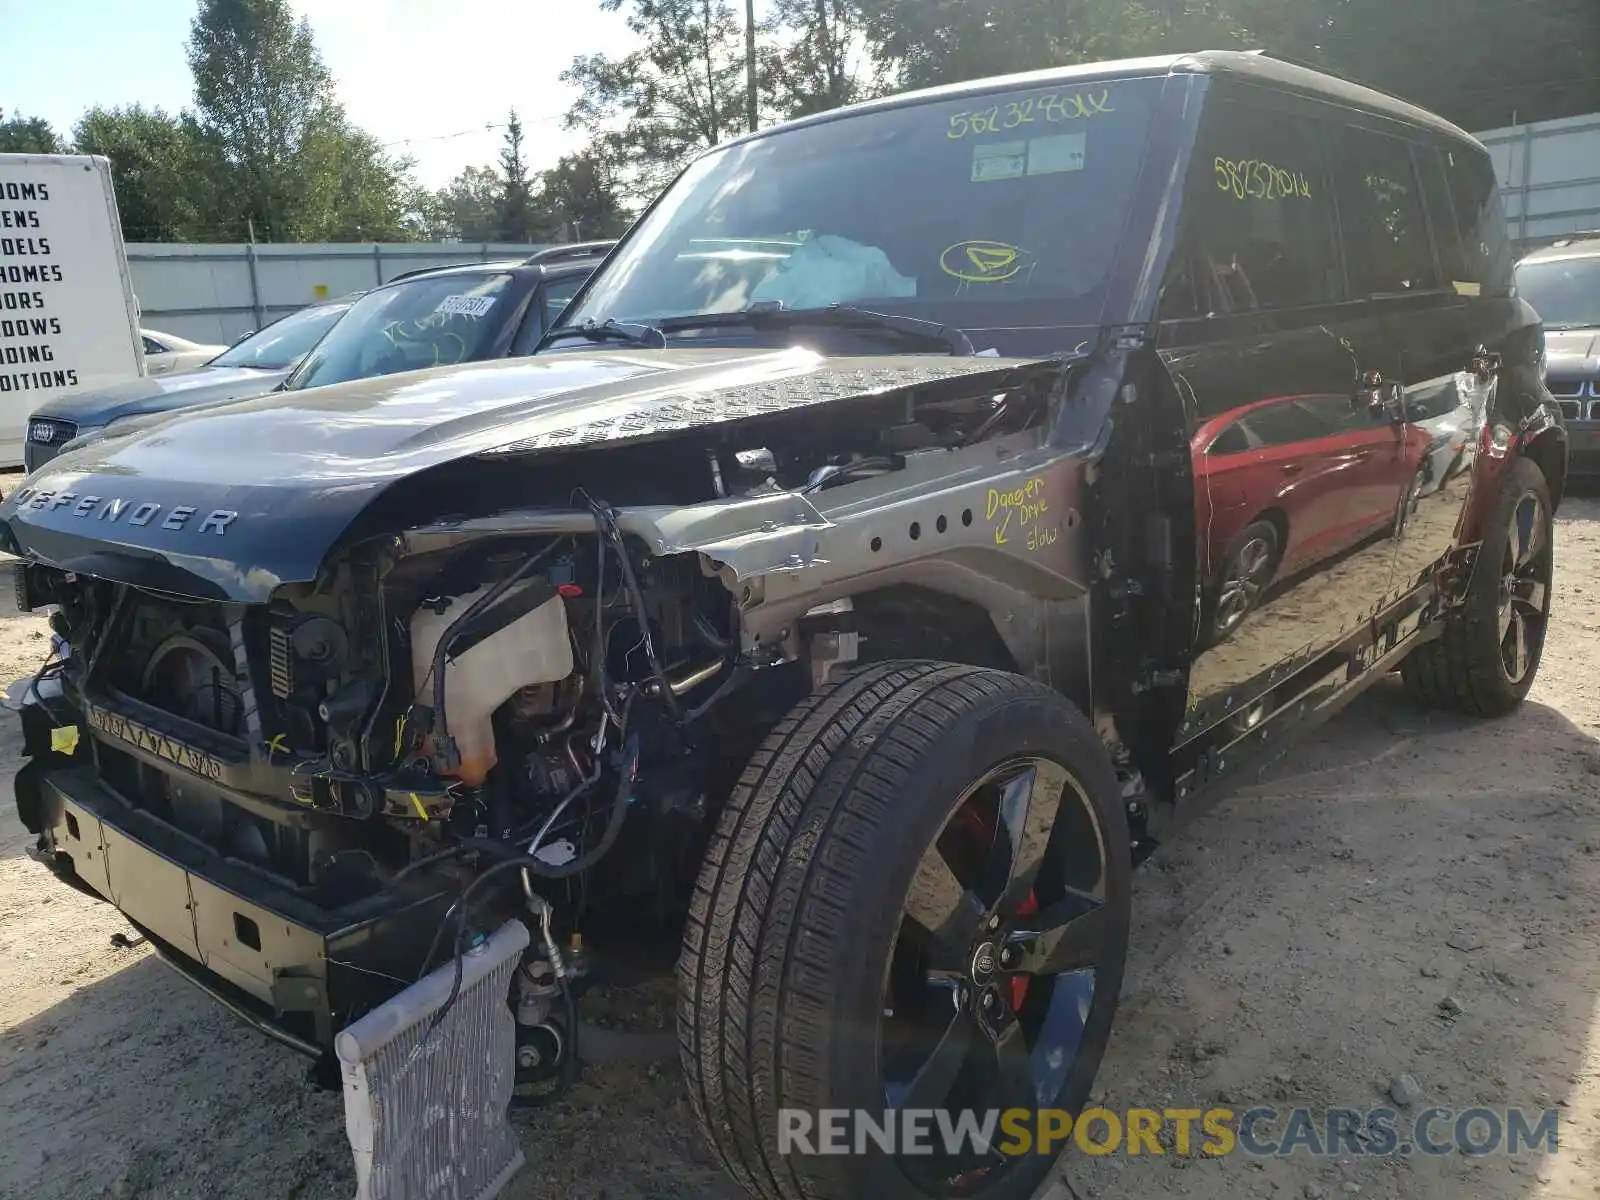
[[190, 677]]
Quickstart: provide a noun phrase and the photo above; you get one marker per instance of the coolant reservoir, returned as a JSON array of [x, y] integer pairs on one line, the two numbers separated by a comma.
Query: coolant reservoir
[[479, 677]]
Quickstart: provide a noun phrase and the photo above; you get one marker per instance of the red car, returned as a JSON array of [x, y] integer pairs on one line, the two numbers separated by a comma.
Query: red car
[[1288, 482]]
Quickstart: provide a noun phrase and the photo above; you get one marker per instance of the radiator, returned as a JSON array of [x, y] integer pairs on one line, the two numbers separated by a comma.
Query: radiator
[[427, 1118]]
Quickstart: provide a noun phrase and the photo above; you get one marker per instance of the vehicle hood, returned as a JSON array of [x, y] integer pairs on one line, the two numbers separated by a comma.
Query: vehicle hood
[[235, 499], [90, 410], [1572, 352]]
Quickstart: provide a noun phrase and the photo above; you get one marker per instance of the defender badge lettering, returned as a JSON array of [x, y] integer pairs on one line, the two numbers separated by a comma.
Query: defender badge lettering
[[115, 508]]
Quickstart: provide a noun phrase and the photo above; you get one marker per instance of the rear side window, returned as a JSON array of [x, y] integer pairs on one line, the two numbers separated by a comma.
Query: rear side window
[[1381, 214], [1261, 228], [1442, 220], [1486, 249]]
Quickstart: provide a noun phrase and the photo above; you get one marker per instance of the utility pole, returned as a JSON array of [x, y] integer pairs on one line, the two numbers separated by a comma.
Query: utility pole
[[751, 98]]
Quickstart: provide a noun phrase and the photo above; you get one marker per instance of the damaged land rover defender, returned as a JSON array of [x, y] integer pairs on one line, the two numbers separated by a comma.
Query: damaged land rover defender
[[926, 508]]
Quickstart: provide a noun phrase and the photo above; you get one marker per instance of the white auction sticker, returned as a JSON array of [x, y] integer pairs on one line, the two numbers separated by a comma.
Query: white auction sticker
[[466, 306], [998, 160], [1063, 152]]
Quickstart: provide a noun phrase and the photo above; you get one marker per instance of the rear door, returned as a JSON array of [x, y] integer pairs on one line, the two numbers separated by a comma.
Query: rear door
[[1452, 368], [1393, 213]]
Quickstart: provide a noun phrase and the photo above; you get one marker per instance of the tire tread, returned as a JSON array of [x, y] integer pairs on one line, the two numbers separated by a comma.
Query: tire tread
[[798, 829]]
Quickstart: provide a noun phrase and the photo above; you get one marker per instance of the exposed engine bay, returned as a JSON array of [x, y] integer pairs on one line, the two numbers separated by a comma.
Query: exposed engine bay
[[537, 706]]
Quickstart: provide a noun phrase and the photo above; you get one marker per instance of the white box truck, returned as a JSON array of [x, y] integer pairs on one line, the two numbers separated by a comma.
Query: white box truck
[[68, 318]]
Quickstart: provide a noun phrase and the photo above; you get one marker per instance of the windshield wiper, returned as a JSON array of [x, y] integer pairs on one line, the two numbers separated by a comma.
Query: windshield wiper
[[613, 330], [771, 314]]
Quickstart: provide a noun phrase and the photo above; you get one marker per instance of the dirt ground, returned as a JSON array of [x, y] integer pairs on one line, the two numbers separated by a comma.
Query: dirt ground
[[1296, 946]]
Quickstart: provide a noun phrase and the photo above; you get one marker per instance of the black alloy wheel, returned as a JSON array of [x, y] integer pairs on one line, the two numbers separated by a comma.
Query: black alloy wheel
[[1487, 653], [917, 897], [993, 973], [1524, 592]]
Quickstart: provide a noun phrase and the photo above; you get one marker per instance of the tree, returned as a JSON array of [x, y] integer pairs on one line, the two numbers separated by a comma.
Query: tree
[[273, 143], [427, 217], [680, 92], [928, 42], [1481, 63], [580, 198], [468, 206], [153, 160], [515, 219], [27, 135], [822, 63]]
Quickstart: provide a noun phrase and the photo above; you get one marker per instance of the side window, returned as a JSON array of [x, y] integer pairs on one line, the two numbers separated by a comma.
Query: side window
[[552, 299], [559, 293], [151, 346], [1180, 297], [1289, 421], [1232, 440], [1485, 244], [1260, 219], [1442, 220], [1380, 212]]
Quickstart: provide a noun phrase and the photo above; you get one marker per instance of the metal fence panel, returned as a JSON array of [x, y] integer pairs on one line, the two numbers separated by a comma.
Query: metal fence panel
[[215, 293], [1549, 175]]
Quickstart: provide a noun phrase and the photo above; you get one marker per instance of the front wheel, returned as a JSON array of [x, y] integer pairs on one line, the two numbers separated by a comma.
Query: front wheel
[[916, 899]]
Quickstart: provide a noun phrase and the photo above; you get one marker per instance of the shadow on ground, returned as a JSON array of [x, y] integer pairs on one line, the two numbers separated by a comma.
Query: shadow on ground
[[1296, 948]]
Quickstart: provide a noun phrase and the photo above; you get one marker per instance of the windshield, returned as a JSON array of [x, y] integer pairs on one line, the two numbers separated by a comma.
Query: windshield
[[427, 322], [1564, 292], [283, 343], [992, 210]]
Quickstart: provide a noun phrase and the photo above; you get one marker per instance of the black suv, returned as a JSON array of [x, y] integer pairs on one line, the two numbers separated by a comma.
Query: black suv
[[431, 317], [441, 316], [927, 509]]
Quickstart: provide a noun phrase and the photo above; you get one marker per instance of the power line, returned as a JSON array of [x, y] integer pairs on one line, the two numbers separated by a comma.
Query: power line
[[488, 127]]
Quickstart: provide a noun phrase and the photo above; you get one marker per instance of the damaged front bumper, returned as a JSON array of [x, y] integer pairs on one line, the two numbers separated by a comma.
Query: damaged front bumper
[[292, 969]]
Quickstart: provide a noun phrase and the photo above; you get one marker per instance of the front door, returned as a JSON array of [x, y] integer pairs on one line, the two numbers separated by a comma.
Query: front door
[[1297, 481]]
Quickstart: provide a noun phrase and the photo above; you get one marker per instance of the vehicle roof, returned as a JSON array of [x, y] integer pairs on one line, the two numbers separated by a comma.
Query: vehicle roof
[[1249, 65], [1578, 247]]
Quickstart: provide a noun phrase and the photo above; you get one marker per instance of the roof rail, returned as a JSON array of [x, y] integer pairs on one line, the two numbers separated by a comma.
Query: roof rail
[[570, 250], [415, 271], [1321, 68]]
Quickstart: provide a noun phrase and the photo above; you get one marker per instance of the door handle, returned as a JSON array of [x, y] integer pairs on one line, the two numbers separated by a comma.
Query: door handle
[[1290, 469], [1485, 364]]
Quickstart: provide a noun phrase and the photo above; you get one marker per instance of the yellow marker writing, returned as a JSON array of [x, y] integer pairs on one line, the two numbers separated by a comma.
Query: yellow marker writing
[[981, 261], [416, 803]]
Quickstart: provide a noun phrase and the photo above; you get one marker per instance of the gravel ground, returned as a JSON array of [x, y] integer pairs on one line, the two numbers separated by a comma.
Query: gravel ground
[[1296, 946]]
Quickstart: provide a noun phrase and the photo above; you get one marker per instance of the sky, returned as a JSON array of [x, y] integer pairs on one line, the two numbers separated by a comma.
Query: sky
[[424, 75]]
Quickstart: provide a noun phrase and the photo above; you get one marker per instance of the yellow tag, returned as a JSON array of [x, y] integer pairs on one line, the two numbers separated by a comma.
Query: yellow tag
[[416, 802], [64, 739]]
